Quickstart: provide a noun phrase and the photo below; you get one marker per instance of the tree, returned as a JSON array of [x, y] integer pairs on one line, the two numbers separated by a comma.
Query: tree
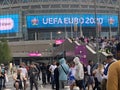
[[5, 52]]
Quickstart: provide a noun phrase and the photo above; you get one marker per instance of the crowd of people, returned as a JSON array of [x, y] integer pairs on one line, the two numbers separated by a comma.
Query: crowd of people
[[73, 73], [104, 44], [61, 73]]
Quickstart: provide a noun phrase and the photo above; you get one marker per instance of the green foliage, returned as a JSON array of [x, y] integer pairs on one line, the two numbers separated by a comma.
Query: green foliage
[[5, 53]]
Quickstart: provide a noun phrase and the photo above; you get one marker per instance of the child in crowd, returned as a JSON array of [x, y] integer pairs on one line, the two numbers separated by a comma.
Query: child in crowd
[[71, 78]]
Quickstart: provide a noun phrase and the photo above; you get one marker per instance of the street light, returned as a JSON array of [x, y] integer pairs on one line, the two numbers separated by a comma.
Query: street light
[[66, 31], [97, 33], [111, 21], [118, 17], [71, 31], [75, 29], [81, 33], [59, 32]]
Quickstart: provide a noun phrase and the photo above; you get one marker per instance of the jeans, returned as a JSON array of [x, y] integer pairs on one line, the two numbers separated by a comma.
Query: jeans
[[62, 83], [52, 81], [33, 81]]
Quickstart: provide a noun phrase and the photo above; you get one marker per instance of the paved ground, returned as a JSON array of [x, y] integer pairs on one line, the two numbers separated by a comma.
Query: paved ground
[[9, 85]]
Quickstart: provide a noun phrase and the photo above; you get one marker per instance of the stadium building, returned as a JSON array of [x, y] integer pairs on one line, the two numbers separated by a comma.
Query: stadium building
[[33, 25]]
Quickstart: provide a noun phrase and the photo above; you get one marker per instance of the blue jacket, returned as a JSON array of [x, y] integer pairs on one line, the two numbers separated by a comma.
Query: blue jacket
[[62, 73]]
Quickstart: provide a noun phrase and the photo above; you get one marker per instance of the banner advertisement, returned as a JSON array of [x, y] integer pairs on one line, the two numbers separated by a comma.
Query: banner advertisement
[[9, 23], [68, 20]]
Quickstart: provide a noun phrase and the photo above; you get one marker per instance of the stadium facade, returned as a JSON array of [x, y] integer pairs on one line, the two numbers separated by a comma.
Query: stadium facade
[[27, 20]]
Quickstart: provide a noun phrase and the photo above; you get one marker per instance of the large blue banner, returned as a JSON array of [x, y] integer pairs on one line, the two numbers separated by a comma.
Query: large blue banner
[[9, 23], [68, 20]]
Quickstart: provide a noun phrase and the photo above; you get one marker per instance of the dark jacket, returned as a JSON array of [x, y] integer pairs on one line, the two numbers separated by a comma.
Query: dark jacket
[[56, 74], [33, 72]]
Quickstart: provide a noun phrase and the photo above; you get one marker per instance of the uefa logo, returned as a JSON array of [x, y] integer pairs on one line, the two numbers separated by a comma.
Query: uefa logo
[[111, 20], [34, 21]]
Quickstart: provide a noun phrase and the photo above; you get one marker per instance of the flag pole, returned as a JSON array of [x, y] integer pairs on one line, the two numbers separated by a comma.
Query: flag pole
[[81, 33], [97, 33]]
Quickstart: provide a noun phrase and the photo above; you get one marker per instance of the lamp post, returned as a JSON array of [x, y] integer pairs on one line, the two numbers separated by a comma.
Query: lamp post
[[99, 29], [81, 33], [75, 29], [110, 32], [97, 33], [25, 33], [71, 31], [118, 18], [95, 18], [66, 31], [111, 21]]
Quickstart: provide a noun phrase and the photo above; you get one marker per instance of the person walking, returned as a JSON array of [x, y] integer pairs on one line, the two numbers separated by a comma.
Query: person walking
[[56, 76], [43, 70], [1, 80], [98, 75], [48, 73], [113, 81], [33, 71], [63, 72], [3, 72], [90, 78], [79, 74], [39, 69], [51, 69], [109, 60], [71, 75], [18, 78], [25, 73]]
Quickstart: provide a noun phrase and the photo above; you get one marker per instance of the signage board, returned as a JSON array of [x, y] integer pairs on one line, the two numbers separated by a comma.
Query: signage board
[[9, 23], [68, 20]]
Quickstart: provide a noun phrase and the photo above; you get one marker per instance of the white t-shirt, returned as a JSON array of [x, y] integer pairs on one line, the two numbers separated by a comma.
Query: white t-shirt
[[24, 71], [52, 68], [73, 70], [89, 69]]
